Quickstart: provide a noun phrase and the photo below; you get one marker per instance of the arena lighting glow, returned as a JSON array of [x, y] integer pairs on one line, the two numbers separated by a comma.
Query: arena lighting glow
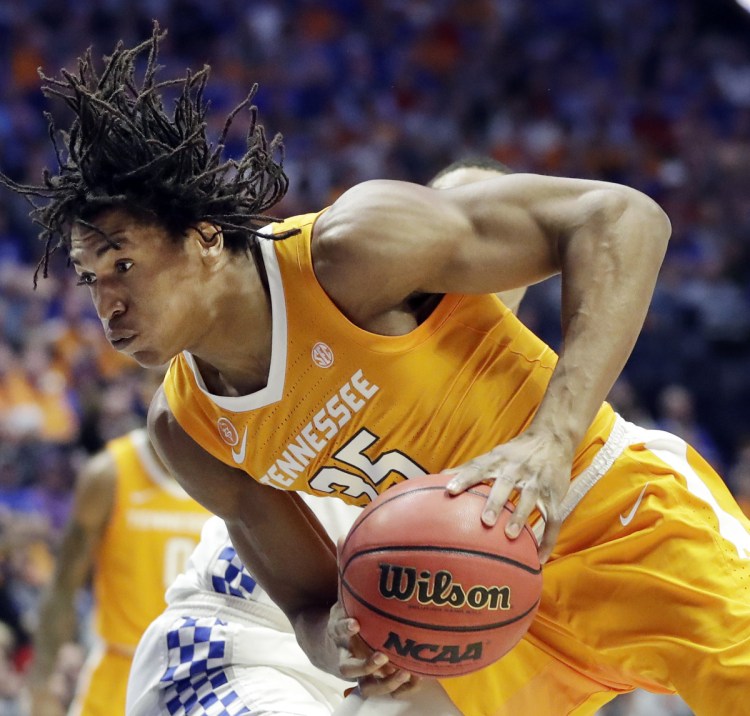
[[744, 4]]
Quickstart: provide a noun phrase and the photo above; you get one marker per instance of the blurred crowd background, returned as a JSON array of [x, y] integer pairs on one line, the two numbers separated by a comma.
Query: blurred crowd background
[[651, 93]]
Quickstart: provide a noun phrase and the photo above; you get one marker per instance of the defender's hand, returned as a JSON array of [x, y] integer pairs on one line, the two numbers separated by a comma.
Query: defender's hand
[[535, 465]]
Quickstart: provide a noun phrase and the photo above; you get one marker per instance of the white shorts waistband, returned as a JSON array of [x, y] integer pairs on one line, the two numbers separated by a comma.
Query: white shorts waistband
[[617, 441]]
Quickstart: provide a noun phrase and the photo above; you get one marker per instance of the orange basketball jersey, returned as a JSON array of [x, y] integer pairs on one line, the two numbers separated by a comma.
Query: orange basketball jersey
[[153, 528], [350, 413]]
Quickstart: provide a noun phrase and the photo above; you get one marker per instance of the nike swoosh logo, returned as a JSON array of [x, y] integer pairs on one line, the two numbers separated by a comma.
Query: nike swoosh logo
[[627, 519], [239, 456]]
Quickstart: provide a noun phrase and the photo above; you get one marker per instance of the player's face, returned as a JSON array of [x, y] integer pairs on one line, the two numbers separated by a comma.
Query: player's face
[[143, 283]]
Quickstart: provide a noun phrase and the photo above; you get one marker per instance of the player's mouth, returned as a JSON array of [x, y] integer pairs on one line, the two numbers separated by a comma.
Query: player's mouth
[[119, 341], [122, 343]]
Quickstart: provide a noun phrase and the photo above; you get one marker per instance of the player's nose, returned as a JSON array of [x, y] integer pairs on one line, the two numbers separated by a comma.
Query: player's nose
[[109, 304]]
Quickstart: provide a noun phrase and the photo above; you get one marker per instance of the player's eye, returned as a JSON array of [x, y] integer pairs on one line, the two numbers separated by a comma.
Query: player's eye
[[123, 266], [85, 279]]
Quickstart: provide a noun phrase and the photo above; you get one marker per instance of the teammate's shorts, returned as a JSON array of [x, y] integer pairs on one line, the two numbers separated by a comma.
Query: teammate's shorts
[[102, 683], [205, 659], [648, 587]]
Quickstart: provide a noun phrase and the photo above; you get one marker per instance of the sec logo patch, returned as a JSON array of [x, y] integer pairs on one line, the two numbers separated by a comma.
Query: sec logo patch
[[322, 355], [228, 432]]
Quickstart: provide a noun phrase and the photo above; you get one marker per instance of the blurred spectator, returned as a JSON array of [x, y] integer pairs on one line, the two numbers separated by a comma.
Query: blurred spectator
[[10, 677], [15, 533], [626, 402], [738, 478], [676, 414]]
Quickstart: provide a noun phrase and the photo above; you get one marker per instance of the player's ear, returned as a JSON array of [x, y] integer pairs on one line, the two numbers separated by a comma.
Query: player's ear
[[208, 238]]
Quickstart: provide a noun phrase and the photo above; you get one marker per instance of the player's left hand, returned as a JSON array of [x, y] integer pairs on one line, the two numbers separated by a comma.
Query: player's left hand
[[537, 466], [374, 674]]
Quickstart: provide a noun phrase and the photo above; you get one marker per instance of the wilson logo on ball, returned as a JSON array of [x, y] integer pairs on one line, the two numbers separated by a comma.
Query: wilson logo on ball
[[433, 653], [433, 587], [402, 583]]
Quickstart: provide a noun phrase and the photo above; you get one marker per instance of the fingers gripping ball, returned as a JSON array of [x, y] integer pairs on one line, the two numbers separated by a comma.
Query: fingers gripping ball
[[432, 586]]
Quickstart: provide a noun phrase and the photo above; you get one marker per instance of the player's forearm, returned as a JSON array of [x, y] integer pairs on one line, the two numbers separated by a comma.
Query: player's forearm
[[302, 583], [311, 628], [609, 266], [58, 622], [57, 625]]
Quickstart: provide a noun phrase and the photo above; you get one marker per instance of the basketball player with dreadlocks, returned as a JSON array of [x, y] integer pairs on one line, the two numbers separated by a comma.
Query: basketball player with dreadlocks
[[368, 337]]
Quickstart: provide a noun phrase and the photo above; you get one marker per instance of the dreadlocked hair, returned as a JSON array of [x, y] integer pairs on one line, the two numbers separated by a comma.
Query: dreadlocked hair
[[124, 150]]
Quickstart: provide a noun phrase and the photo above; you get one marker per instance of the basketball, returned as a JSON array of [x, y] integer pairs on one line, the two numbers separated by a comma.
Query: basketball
[[433, 587]]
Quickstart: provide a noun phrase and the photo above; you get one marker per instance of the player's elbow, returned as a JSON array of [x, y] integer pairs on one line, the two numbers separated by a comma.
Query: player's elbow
[[655, 219], [617, 210]]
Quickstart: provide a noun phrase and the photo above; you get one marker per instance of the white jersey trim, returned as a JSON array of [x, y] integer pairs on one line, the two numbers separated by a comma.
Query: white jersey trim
[[274, 389]]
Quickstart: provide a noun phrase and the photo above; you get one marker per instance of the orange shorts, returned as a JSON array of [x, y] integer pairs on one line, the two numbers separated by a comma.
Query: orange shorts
[[649, 587], [102, 684]]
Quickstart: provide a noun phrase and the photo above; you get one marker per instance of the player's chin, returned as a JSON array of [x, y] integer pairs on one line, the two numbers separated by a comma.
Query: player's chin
[[150, 358]]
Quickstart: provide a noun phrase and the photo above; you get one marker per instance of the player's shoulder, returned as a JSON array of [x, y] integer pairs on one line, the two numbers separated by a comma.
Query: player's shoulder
[[158, 409], [191, 464], [377, 224], [376, 202], [163, 430]]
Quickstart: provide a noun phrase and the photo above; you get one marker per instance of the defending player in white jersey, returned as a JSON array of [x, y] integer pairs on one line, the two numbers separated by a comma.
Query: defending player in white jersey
[[223, 647]]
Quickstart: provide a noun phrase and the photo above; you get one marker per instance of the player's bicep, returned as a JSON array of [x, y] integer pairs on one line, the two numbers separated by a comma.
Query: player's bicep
[[519, 226], [525, 227], [383, 241], [507, 247], [205, 478]]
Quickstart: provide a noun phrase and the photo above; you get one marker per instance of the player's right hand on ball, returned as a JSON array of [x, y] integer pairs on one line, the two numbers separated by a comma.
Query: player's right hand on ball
[[534, 465], [372, 671]]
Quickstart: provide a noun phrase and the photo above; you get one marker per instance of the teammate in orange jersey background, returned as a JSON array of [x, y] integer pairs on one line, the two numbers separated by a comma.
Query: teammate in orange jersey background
[[338, 353], [134, 527]]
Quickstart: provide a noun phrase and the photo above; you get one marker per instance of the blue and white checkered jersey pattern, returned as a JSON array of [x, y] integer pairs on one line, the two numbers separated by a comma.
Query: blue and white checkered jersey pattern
[[228, 576], [195, 682]]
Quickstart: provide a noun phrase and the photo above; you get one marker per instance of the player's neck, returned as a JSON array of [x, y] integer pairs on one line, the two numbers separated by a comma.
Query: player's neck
[[234, 352]]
